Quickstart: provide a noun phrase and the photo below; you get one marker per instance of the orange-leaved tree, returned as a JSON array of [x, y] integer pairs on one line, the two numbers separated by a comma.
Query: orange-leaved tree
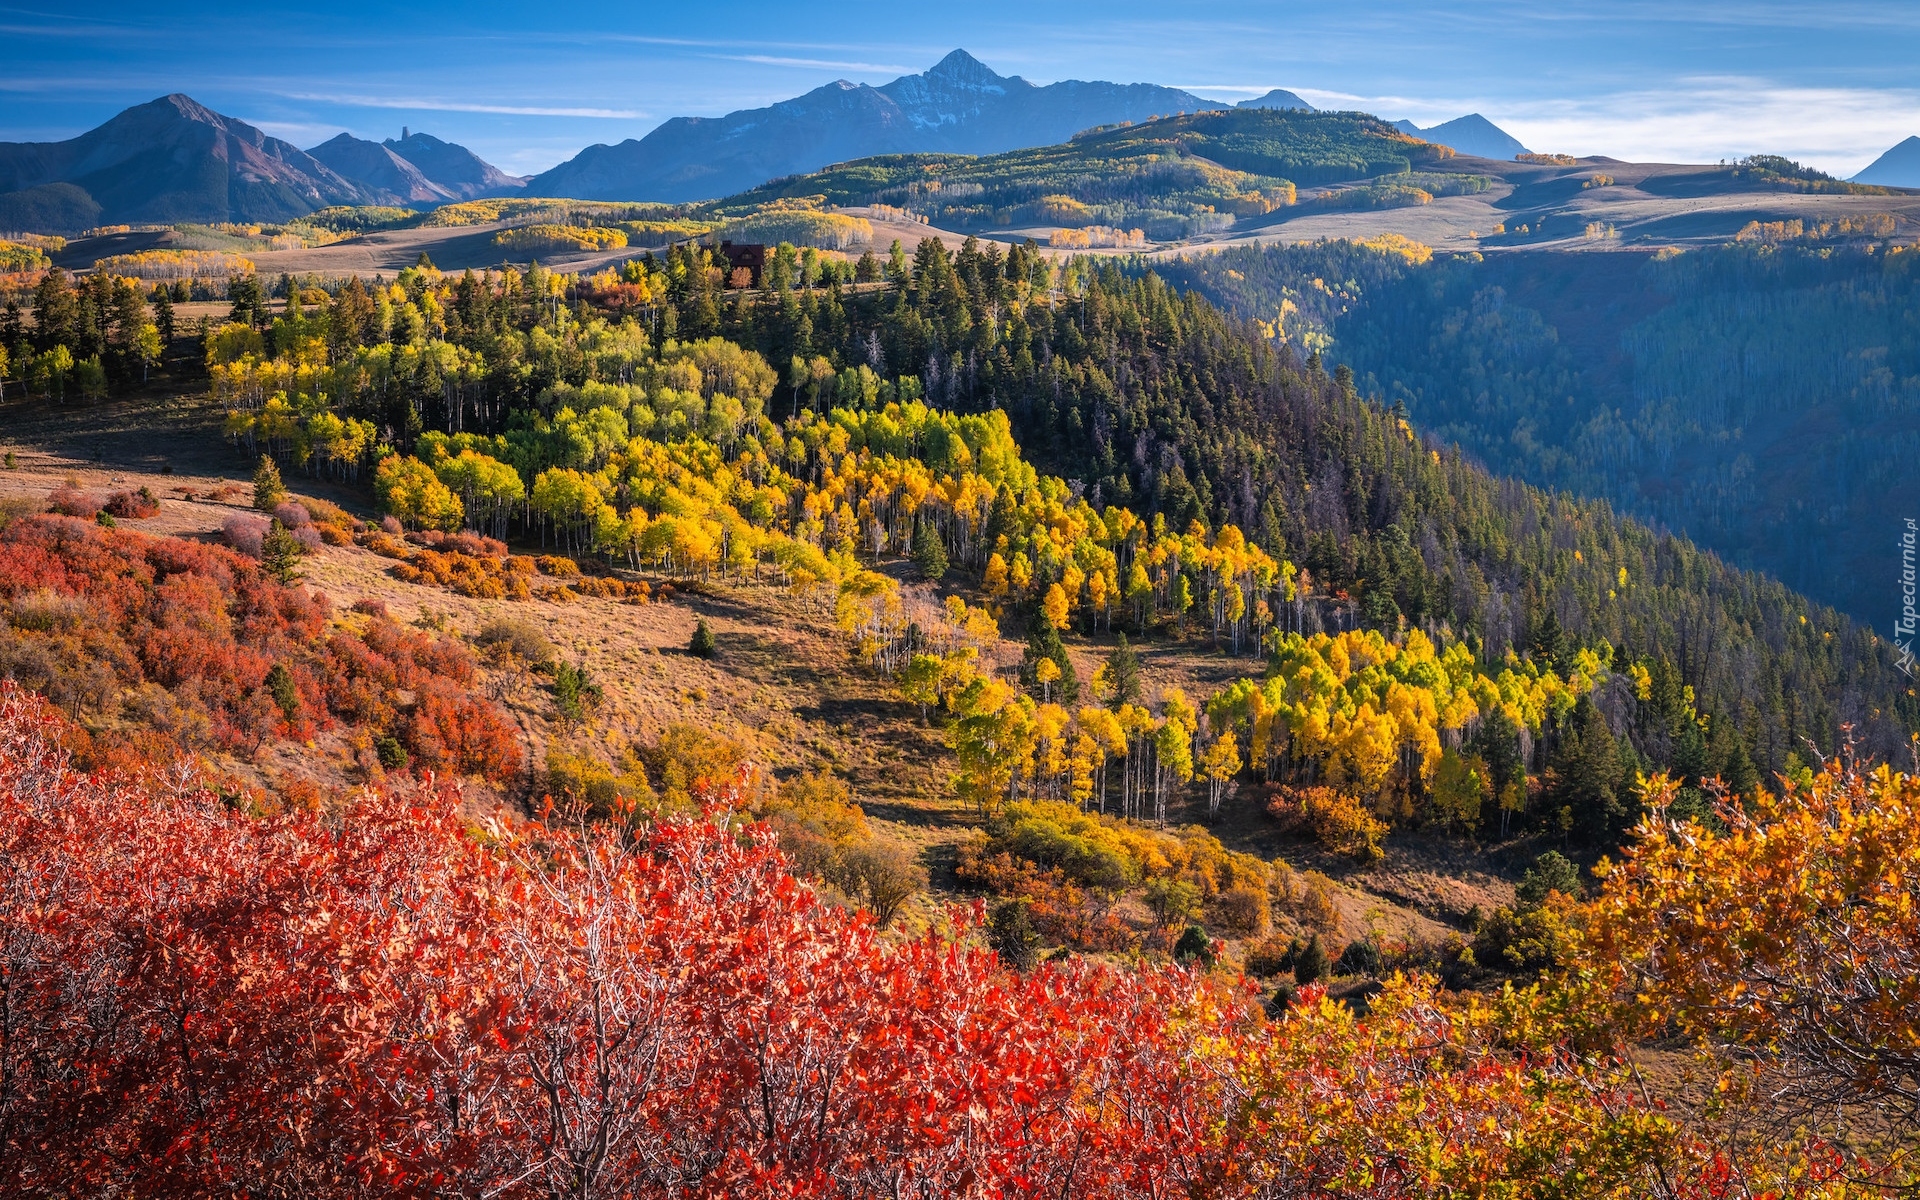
[[1792, 939]]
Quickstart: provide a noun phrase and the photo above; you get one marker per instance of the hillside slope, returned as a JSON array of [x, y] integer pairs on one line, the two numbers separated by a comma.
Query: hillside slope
[[1660, 382]]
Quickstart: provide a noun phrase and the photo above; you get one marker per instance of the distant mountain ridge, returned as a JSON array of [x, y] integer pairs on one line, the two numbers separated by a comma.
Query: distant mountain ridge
[[174, 159], [1277, 98], [455, 168], [959, 106], [380, 171], [1898, 167], [1472, 134]]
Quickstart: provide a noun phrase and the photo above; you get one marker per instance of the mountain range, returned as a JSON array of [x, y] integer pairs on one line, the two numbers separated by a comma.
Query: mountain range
[[958, 106], [174, 159], [1472, 134], [1898, 167]]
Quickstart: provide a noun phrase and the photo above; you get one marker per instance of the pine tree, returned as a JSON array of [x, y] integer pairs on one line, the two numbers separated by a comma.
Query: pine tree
[[280, 553], [1043, 643], [1587, 775], [1010, 933], [1310, 965], [268, 491], [702, 645], [1123, 675], [163, 314], [1193, 947], [929, 551]]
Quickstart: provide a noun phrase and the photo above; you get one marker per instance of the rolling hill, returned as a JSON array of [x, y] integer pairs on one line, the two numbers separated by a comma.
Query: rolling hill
[[958, 106], [1172, 177]]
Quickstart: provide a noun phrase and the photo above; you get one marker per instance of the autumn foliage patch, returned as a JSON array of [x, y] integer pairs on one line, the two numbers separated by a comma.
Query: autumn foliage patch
[[194, 642], [384, 1002]]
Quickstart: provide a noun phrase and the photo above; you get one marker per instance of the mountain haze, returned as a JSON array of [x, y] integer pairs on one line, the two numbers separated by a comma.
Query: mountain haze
[[958, 106]]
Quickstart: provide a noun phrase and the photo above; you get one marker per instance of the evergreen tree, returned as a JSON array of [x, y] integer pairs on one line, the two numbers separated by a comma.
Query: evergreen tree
[[929, 551], [1310, 965], [1123, 674], [1551, 872], [280, 553], [1587, 777], [268, 491], [702, 644], [1043, 644], [1011, 935], [1193, 947], [285, 692], [1002, 519]]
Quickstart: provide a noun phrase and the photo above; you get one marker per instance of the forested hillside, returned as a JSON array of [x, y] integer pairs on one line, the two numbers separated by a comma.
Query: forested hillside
[[1137, 397], [1763, 397], [919, 456], [1172, 178]]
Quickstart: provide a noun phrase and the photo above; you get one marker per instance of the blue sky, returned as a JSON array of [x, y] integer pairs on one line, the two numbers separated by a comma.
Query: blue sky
[[528, 85]]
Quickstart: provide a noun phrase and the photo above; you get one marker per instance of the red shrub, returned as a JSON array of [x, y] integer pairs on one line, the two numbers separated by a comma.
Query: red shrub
[[102, 610], [132, 506], [69, 500]]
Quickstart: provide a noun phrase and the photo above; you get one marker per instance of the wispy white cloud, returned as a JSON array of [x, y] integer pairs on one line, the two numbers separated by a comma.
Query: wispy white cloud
[[433, 104], [1702, 119], [824, 64], [1839, 130]]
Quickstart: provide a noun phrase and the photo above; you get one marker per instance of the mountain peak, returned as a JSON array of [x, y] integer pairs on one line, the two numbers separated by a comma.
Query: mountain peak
[[186, 106], [1898, 167], [1472, 134], [961, 67], [1277, 98], [957, 106]]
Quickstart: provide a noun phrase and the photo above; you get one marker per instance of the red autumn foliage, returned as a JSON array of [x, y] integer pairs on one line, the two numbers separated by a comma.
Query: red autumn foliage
[[132, 506], [382, 1002], [92, 616]]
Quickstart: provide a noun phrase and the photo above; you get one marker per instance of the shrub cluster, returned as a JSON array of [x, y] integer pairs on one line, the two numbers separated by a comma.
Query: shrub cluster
[[199, 644]]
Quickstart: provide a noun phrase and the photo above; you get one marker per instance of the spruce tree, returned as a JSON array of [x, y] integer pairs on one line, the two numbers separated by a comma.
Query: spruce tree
[[1123, 674], [1010, 932], [929, 551], [268, 491], [1043, 642], [1310, 965], [702, 645], [280, 553]]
